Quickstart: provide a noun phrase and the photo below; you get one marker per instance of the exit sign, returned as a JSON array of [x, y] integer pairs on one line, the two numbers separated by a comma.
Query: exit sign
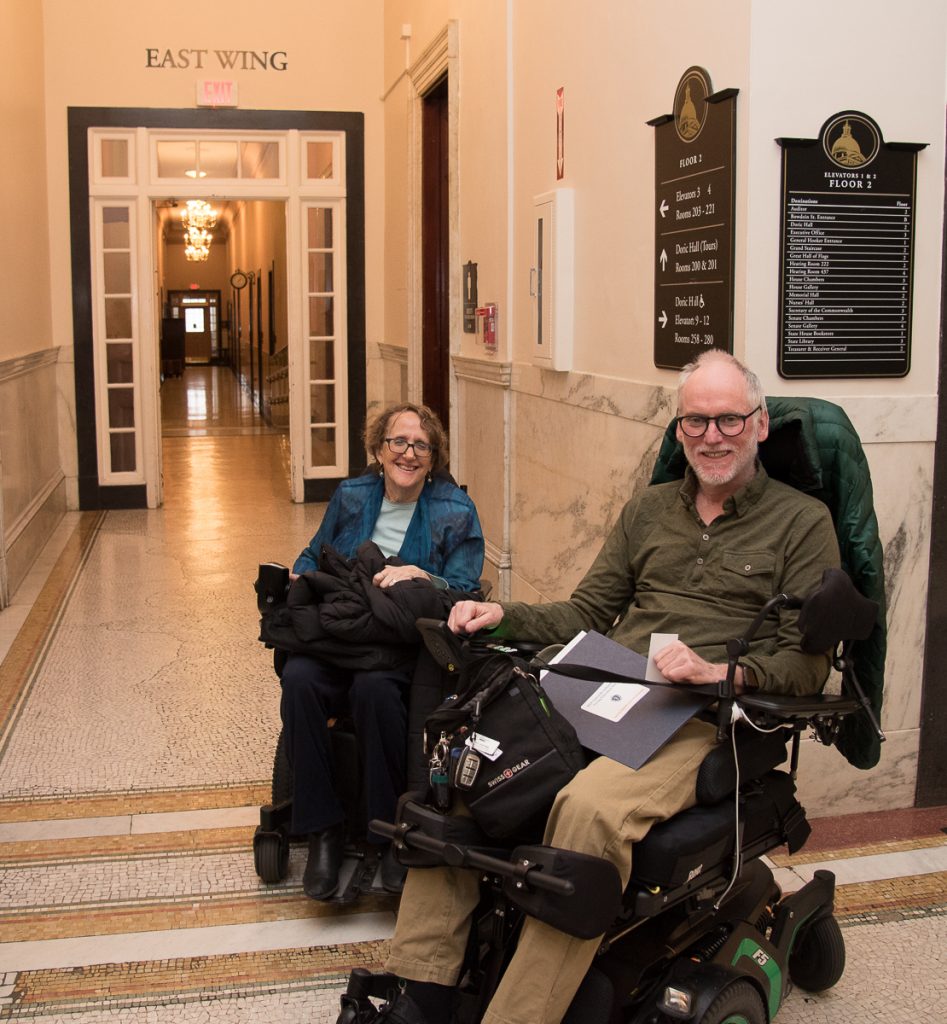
[[216, 92]]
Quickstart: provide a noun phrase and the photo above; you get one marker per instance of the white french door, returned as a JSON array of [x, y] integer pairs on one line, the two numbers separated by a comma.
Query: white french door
[[131, 169]]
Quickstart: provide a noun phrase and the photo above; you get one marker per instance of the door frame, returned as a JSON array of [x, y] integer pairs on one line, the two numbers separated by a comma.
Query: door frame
[[92, 494], [439, 59]]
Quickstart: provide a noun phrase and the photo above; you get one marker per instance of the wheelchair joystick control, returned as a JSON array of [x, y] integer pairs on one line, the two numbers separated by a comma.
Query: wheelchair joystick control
[[271, 585]]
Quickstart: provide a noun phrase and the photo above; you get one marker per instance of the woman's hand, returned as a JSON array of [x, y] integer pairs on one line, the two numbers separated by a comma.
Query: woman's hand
[[469, 616], [393, 574]]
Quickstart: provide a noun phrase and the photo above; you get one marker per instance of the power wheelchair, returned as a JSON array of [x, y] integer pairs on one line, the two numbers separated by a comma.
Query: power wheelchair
[[273, 836], [702, 933]]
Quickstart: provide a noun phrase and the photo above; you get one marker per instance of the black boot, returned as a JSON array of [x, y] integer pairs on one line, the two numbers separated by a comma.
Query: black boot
[[401, 1010], [321, 877], [406, 1002], [392, 873]]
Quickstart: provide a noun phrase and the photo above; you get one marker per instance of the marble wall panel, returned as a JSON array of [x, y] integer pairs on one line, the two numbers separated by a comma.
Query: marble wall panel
[[901, 478], [574, 470], [829, 785], [31, 480], [388, 374], [580, 449], [481, 460]]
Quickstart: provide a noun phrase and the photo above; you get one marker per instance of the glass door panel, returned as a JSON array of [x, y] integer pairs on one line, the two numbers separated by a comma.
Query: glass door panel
[[325, 394], [114, 261]]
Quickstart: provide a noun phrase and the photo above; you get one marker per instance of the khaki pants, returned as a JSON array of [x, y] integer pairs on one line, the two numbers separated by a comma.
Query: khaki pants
[[603, 811]]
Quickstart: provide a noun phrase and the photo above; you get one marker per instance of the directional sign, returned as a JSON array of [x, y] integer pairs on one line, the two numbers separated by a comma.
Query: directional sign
[[695, 151], [846, 253]]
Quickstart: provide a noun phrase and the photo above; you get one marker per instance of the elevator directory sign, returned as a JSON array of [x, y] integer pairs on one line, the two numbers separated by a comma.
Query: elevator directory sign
[[695, 154], [846, 252]]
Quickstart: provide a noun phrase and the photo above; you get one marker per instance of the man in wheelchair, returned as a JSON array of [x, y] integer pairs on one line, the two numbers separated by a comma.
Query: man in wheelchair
[[698, 558]]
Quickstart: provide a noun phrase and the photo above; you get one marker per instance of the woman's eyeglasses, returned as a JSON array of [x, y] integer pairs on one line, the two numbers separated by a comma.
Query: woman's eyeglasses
[[399, 445]]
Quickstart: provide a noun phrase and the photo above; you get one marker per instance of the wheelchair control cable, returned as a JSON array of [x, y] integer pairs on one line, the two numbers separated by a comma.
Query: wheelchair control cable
[[737, 859], [736, 715]]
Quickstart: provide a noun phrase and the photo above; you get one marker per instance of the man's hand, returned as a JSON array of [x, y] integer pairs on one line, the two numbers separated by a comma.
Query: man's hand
[[393, 574], [679, 664], [469, 616]]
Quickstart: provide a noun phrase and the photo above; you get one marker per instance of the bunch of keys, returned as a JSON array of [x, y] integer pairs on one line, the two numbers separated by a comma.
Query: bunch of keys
[[440, 778]]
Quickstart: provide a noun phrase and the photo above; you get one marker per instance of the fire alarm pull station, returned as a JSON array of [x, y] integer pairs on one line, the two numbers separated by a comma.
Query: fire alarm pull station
[[489, 314]]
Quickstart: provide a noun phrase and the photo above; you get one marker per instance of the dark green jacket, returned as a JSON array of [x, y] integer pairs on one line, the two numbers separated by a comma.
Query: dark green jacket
[[813, 446]]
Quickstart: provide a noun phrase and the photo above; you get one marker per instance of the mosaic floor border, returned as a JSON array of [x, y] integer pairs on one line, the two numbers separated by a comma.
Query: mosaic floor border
[[118, 987], [26, 653]]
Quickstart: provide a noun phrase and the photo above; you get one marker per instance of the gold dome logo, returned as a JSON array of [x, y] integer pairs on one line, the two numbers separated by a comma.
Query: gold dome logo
[[851, 141], [690, 104]]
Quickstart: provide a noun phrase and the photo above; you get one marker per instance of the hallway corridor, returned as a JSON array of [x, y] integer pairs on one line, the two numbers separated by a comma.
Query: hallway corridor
[[138, 718]]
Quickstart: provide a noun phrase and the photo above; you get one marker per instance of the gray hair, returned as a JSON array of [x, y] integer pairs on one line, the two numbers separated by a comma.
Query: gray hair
[[754, 390]]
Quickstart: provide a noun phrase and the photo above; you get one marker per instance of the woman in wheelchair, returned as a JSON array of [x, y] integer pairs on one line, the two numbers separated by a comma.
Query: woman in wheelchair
[[409, 506], [695, 558]]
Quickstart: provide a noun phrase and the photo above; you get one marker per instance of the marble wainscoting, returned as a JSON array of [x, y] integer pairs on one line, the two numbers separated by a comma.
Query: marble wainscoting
[[31, 478], [579, 446], [582, 446], [388, 374], [480, 458], [901, 478]]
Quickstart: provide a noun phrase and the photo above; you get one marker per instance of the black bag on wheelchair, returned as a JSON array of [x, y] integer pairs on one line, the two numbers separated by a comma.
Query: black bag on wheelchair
[[500, 745]]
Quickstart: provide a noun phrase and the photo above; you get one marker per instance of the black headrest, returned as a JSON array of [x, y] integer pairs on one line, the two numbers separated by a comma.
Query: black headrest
[[833, 612]]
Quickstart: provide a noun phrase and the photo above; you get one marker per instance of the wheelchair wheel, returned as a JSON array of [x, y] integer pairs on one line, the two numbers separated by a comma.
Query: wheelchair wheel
[[739, 1003], [282, 772], [271, 855], [817, 960]]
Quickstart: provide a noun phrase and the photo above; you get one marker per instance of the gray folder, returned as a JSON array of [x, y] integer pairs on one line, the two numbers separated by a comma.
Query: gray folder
[[646, 727]]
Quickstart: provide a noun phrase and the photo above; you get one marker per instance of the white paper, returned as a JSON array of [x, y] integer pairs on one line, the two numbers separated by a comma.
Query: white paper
[[614, 700], [561, 654], [658, 642]]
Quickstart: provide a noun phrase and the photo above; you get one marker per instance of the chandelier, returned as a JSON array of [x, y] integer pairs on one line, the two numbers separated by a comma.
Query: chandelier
[[198, 217]]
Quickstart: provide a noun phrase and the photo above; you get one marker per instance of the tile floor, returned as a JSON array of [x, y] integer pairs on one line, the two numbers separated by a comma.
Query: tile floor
[[138, 716]]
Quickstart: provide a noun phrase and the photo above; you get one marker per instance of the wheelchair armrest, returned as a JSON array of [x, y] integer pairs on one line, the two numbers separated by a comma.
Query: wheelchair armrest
[[786, 708]]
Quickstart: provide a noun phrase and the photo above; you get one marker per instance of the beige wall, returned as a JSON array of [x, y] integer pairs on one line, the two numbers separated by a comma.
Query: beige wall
[[32, 497], [551, 457], [258, 241], [96, 55], [24, 267]]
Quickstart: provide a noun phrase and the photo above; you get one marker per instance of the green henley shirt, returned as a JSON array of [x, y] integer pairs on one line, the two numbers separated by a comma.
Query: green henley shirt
[[662, 570]]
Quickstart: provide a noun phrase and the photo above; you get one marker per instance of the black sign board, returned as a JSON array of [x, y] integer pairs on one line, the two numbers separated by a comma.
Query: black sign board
[[846, 252], [695, 154]]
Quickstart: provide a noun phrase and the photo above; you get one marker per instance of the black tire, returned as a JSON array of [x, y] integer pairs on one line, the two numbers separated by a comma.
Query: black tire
[[739, 1003], [282, 772], [594, 1001], [817, 960], [271, 856]]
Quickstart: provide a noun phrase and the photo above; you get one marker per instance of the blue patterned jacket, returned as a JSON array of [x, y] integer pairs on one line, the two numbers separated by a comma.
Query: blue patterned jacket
[[444, 536]]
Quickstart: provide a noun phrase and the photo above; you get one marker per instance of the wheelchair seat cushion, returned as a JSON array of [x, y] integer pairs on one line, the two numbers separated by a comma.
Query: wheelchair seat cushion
[[698, 840]]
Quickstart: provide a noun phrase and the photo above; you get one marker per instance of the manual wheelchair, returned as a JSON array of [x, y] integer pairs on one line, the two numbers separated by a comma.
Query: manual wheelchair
[[702, 932]]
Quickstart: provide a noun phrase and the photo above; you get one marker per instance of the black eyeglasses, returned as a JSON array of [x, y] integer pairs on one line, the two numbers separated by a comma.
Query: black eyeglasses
[[399, 445], [730, 424]]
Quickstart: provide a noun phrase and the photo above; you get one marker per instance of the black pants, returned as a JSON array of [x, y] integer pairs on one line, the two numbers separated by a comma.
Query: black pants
[[313, 693]]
